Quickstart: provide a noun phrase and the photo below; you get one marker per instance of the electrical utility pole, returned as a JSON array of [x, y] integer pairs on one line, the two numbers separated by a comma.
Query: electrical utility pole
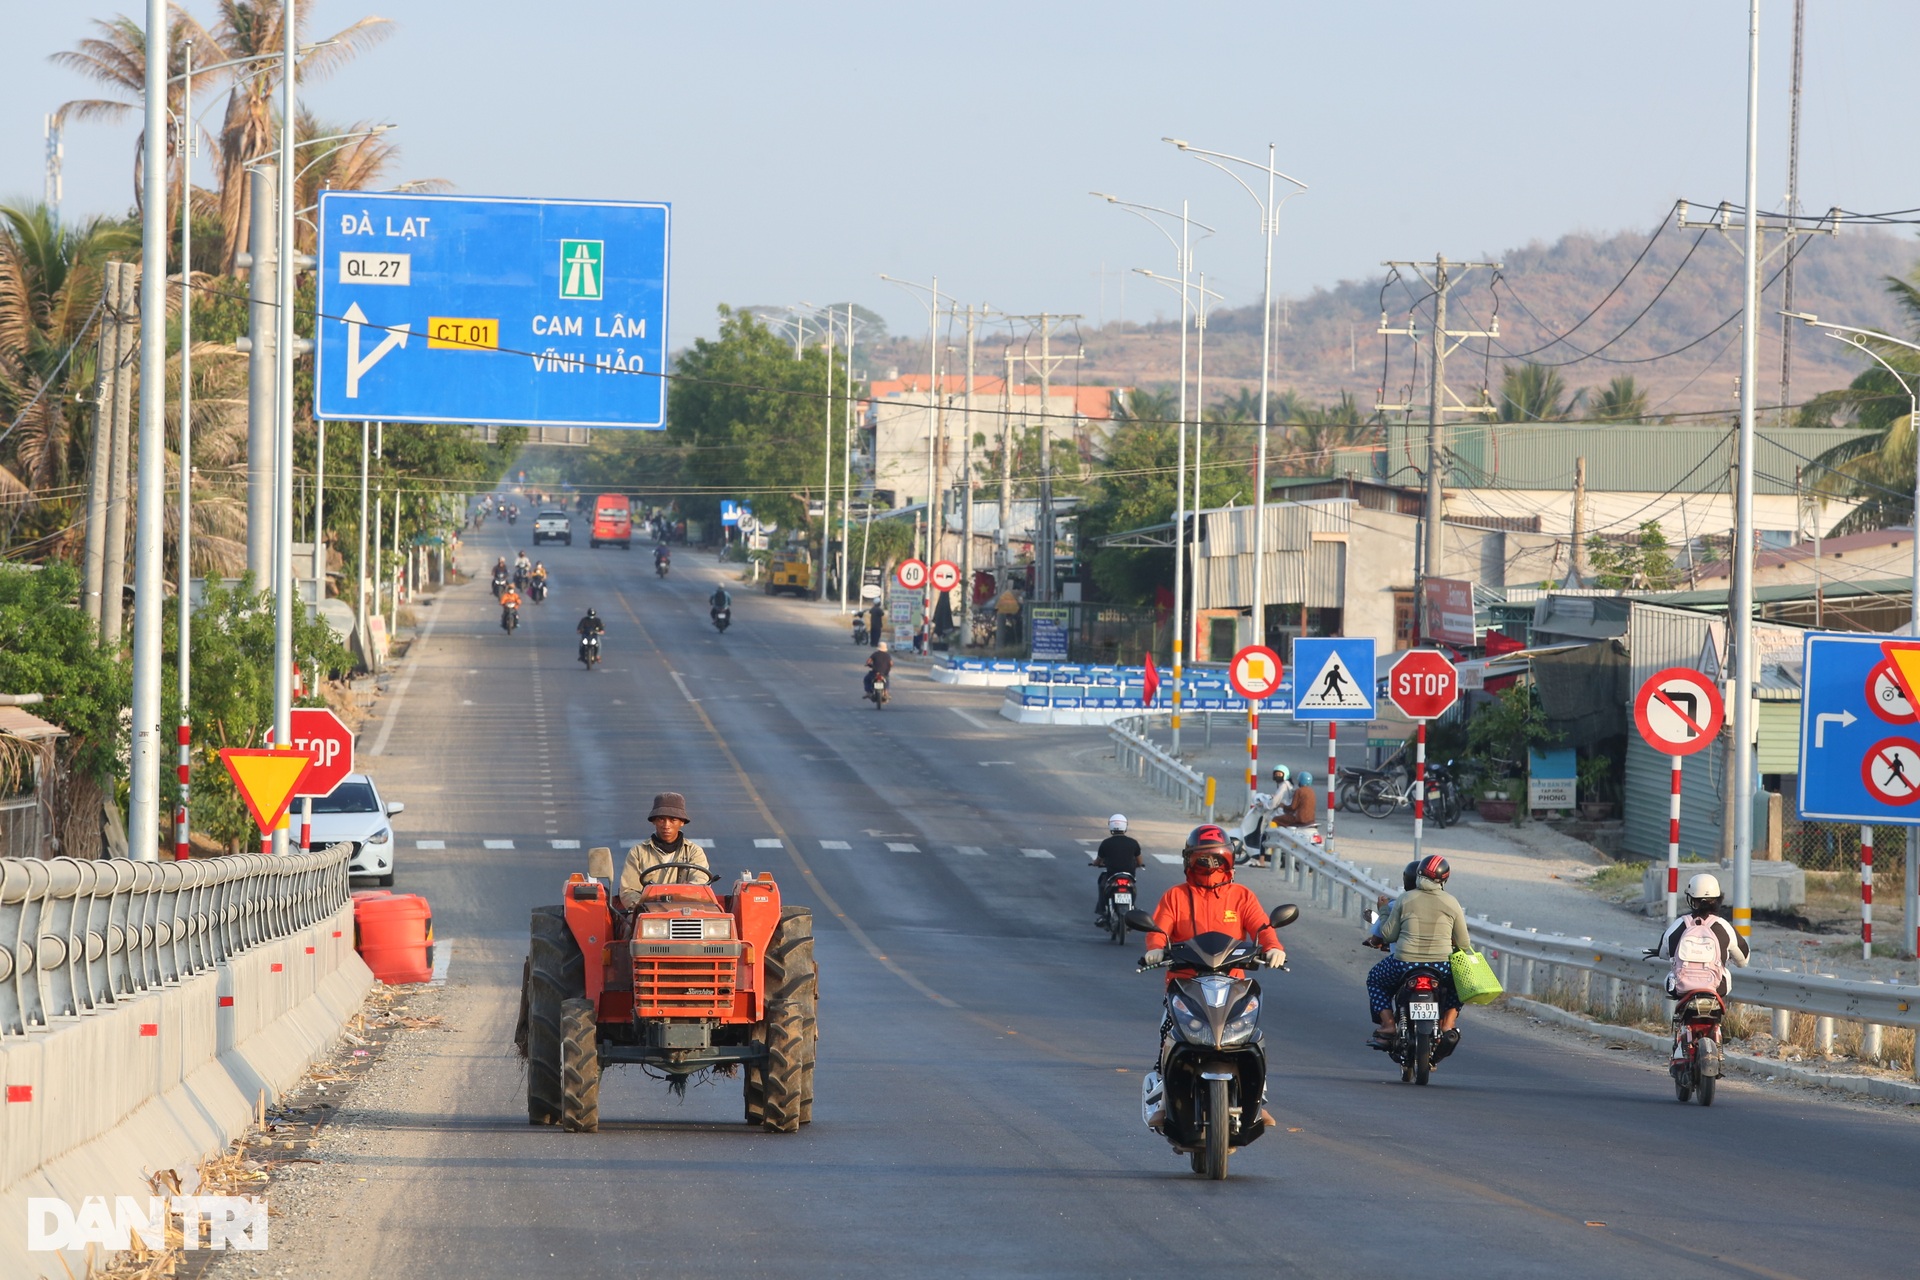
[[1440, 276], [1043, 556], [1793, 208]]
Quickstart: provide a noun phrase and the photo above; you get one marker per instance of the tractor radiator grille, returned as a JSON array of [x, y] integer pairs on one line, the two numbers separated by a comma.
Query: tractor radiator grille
[[681, 929], [683, 984]]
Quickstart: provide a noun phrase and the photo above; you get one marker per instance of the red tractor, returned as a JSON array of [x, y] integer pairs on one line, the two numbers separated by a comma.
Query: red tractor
[[689, 981]]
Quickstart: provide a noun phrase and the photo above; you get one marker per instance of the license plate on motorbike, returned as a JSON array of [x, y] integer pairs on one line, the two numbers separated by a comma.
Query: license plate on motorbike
[[1122, 899], [1424, 1009]]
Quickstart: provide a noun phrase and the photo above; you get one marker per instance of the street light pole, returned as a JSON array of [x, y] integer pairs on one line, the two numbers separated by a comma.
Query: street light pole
[[1269, 227], [846, 468], [1741, 623], [933, 417], [143, 807], [183, 618], [283, 586], [1858, 339]]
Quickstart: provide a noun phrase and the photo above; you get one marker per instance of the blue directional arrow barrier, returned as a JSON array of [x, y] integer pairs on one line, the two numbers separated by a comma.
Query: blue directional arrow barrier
[[1333, 678], [491, 311], [1859, 735]]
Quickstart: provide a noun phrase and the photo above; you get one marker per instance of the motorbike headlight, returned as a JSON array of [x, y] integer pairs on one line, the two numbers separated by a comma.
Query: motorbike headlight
[[1189, 1021], [654, 926], [1240, 1026], [381, 836]]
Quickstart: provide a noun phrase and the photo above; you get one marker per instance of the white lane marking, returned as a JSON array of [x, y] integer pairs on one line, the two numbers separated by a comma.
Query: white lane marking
[[984, 764], [968, 716], [1171, 859], [406, 682], [902, 848], [429, 844], [564, 844], [683, 686], [705, 842], [497, 844], [768, 844], [1086, 842], [442, 961], [971, 850], [835, 844], [1036, 853]]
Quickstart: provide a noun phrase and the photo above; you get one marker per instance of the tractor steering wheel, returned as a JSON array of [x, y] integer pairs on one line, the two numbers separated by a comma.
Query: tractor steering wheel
[[646, 877]]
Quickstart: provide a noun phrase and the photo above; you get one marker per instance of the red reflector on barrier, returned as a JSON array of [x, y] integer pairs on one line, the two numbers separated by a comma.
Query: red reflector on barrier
[[278, 967], [309, 950], [336, 933], [149, 1028], [19, 1093], [226, 1002]]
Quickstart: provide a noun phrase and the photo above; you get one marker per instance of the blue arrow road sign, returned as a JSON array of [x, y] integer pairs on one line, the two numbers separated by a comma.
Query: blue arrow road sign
[[1859, 736], [1333, 678], [491, 311]]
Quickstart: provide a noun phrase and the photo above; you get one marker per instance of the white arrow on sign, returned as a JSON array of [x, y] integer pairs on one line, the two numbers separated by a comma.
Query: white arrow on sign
[[1845, 718], [396, 337]]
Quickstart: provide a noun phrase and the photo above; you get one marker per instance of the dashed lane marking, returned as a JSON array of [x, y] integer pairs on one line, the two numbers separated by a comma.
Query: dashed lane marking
[[564, 844], [971, 850], [768, 844], [429, 844], [496, 844], [1036, 853], [835, 844], [902, 848]]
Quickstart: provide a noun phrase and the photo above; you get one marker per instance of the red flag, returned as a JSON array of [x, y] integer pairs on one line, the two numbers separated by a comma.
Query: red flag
[[1150, 689]]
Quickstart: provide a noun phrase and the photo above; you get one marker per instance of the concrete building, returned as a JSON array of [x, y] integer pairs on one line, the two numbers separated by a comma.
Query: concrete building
[[1337, 566]]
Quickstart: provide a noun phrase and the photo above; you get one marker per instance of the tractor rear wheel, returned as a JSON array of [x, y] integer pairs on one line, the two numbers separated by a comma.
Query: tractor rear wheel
[[579, 1066], [792, 984], [556, 973]]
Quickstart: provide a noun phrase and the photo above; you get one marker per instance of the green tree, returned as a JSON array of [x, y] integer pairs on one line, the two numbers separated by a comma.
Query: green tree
[[48, 646], [1534, 393], [1640, 563], [1622, 401], [1875, 470]]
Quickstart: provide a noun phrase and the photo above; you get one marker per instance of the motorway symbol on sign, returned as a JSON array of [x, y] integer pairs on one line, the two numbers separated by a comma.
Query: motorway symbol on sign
[[1886, 695], [946, 575], [328, 743], [535, 312], [911, 574], [1255, 672], [266, 778], [1334, 676], [1422, 684], [1891, 771], [1678, 711]]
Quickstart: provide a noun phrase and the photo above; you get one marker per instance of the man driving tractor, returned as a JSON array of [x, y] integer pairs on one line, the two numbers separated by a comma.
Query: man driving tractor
[[666, 845]]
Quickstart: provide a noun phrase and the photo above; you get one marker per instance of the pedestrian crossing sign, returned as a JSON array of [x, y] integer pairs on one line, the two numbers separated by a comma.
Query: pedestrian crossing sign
[[1333, 678]]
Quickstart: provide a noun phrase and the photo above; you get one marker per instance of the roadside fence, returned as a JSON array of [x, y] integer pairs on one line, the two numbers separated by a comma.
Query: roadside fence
[[76, 936], [1535, 964], [1138, 755]]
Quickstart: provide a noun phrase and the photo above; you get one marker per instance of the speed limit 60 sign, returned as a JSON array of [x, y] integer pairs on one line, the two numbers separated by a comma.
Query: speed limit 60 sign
[[911, 574]]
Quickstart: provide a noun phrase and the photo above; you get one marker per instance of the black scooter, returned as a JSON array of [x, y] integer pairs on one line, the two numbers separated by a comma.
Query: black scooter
[[499, 584], [1205, 1099], [722, 618], [509, 618], [1116, 899], [590, 651]]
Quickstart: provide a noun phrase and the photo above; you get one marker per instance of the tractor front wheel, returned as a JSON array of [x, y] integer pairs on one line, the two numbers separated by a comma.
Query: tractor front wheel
[[556, 973], [792, 986], [579, 1067]]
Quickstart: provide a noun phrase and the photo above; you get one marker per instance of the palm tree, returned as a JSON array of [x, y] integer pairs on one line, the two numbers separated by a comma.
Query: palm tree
[[1876, 470], [1534, 393], [1319, 433], [49, 285], [1622, 401], [246, 29], [357, 165], [116, 56]]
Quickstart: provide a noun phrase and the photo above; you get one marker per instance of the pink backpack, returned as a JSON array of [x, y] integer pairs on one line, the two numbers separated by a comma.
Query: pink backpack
[[1697, 965]]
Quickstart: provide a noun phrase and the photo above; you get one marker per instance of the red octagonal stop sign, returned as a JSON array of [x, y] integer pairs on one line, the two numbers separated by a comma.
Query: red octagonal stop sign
[[1422, 684], [319, 733]]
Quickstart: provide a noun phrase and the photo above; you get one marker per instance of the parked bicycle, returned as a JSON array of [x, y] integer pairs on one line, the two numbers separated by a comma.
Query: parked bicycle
[[1380, 796]]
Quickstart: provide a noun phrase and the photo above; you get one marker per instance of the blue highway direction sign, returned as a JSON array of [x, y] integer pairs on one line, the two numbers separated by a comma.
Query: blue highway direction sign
[[1333, 678], [491, 311], [1859, 734]]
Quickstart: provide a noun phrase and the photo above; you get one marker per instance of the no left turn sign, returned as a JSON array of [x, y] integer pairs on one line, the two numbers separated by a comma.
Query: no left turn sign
[[1679, 711]]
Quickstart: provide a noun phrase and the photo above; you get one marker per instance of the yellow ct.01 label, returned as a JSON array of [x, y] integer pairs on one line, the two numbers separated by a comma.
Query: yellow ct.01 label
[[448, 333]]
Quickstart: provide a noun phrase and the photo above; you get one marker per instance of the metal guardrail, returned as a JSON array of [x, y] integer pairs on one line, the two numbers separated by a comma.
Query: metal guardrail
[[79, 935], [1874, 1003], [1144, 759]]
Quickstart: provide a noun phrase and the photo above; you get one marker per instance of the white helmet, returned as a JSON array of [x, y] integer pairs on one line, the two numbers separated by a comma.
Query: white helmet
[[1703, 892], [1117, 823]]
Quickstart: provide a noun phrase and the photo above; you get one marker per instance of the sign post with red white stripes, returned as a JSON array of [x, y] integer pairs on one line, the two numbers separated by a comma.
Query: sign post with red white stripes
[[1866, 893], [1678, 711], [1421, 684]]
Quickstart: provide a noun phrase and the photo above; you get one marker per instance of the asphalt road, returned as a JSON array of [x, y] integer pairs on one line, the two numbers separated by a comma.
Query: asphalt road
[[981, 1045]]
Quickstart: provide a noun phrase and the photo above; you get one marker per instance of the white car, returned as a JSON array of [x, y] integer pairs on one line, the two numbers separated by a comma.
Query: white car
[[552, 526], [356, 815]]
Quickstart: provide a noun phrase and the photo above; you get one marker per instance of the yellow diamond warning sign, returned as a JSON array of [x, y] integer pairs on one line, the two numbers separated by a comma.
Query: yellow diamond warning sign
[[266, 778]]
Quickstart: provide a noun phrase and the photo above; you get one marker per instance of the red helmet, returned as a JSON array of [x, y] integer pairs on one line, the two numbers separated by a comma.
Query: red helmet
[[1208, 856]]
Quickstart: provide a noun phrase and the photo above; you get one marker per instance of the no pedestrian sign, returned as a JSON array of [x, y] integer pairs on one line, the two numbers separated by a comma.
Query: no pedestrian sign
[[1255, 672], [1678, 711]]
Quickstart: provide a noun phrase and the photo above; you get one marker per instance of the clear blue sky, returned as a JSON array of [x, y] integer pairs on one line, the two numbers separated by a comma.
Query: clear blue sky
[[807, 148]]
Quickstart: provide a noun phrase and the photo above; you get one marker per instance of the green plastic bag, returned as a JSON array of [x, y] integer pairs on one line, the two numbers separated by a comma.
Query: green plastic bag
[[1473, 978]]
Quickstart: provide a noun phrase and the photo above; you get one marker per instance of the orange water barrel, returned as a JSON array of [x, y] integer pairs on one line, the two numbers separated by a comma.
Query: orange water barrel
[[393, 932]]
